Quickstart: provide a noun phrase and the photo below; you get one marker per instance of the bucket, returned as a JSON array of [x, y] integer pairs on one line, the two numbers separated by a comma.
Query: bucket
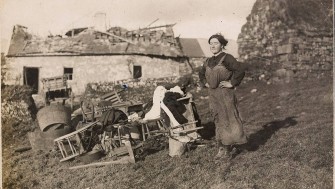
[[134, 132], [177, 145]]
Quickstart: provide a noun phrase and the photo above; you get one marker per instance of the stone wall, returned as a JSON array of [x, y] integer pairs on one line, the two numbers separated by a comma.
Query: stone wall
[[17, 105], [89, 69], [137, 89], [197, 62], [291, 35]]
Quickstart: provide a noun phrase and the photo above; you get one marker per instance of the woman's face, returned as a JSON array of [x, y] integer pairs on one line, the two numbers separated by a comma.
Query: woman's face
[[215, 46]]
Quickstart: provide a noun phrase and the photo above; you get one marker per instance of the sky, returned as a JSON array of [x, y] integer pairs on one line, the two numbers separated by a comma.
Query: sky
[[193, 18]]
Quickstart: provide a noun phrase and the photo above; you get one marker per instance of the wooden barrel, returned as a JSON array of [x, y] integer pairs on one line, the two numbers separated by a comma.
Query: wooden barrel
[[51, 115]]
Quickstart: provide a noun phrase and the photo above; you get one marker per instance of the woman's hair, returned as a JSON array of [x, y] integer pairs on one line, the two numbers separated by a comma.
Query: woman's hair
[[220, 38]]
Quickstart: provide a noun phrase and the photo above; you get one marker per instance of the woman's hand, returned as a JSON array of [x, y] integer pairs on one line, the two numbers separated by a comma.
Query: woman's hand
[[207, 85], [225, 84]]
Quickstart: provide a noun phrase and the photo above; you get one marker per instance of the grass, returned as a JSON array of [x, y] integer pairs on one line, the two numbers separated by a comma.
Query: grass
[[290, 146]]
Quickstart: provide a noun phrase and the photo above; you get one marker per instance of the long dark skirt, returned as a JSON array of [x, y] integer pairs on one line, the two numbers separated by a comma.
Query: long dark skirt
[[229, 129]]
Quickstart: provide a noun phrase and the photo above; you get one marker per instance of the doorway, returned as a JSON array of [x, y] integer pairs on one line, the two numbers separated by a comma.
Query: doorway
[[30, 78]]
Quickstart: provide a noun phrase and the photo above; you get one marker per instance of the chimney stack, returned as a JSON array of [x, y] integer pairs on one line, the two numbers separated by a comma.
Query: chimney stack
[[100, 21]]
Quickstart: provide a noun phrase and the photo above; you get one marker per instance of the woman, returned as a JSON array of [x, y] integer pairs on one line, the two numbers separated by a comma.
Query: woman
[[221, 74]]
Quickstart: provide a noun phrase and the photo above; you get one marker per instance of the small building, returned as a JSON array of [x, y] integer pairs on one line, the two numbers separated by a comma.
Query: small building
[[197, 50], [85, 55]]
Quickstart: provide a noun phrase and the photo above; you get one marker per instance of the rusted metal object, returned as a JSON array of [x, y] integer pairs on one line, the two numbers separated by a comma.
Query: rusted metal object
[[49, 116]]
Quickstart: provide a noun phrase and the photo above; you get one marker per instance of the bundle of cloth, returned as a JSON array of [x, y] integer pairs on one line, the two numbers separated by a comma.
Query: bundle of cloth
[[166, 100]]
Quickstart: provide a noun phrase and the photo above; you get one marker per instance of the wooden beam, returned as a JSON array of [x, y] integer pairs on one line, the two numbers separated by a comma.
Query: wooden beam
[[154, 27], [123, 39], [183, 125], [187, 130], [124, 160]]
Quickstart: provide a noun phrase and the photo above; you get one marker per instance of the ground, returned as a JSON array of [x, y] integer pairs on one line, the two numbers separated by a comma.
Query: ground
[[290, 129]]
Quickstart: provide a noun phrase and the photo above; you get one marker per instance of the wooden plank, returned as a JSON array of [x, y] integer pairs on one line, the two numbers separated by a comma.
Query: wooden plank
[[113, 98], [184, 98], [130, 151], [123, 39], [154, 27], [124, 160], [187, 130], [23, 149], [108, 94], [183, 125]]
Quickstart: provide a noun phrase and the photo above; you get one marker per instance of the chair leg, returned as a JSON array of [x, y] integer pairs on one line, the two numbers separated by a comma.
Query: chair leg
[[148, 131], [143, 133], [162, 126]]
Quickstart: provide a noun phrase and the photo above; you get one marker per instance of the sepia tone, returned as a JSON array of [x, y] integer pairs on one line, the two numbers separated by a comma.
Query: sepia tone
[[104, 106]]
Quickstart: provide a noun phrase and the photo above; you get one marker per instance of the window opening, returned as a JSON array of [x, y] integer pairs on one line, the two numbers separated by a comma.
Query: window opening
[[137, 72]]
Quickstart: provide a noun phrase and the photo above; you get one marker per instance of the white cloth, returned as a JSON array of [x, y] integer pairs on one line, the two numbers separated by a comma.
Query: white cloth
[[133, 117], [177, 89], [155, 111]]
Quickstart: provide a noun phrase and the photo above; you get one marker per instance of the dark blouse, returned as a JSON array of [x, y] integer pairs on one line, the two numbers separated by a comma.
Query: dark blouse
[[230, 63]]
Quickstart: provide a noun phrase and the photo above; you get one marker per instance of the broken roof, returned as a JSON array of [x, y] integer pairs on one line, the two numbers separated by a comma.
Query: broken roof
[[88, 41]]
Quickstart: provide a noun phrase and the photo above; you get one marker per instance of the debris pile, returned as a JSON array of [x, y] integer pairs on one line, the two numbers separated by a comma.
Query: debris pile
[[148, 41], [139, 90], [15, 109], [116, 130], [53, 121], [17, 104]]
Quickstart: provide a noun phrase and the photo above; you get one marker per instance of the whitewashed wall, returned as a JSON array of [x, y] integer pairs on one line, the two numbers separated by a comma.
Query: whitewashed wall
[[90, 68]]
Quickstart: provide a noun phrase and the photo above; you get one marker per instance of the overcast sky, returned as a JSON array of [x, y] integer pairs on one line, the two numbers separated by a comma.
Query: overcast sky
[[194, 18]]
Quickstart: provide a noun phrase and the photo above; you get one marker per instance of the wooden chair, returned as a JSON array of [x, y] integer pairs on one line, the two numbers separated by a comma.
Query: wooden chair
[[113, 97], [108, 101], [146, 132], [96, 109], [182, 134], [118, 144], [188, 128]]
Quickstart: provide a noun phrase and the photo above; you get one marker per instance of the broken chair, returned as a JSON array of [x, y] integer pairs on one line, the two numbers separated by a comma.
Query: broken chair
[[182, 134], [147, 132]]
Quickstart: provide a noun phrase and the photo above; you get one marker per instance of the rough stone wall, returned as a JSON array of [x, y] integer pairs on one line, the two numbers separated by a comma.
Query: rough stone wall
[[137, 89], [197, 62], [17, 104], [87, 69], [144, 42], [295, 35]]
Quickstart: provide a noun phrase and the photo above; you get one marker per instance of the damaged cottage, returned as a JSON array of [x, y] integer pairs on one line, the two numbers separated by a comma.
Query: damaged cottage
[[87, 55], [107, 125]]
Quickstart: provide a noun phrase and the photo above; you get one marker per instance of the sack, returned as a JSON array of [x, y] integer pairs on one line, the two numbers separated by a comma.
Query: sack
[[113, 116]]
